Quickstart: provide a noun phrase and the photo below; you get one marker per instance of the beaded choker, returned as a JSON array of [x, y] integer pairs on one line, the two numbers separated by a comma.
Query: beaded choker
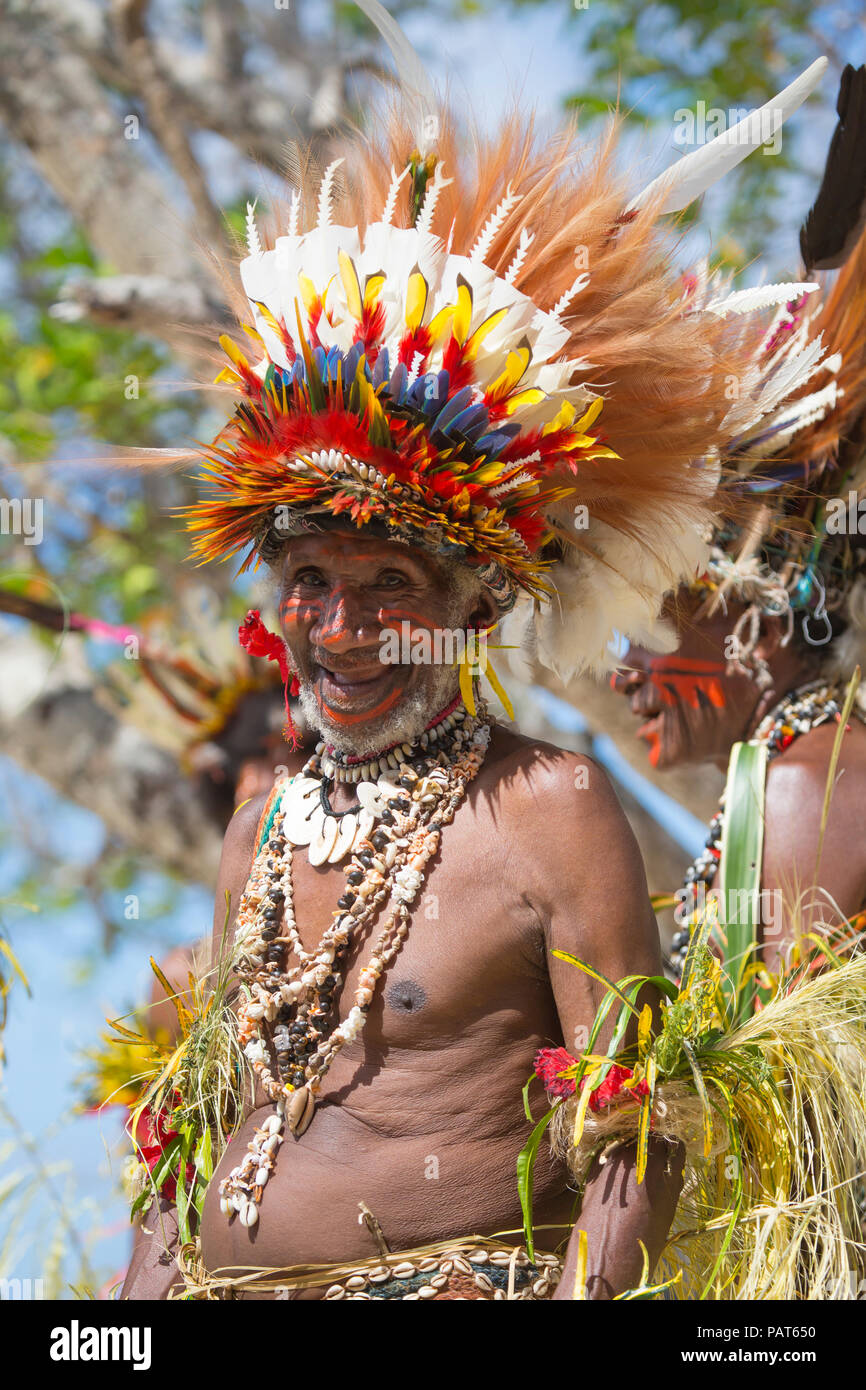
[[800, 710], [286, 1021]]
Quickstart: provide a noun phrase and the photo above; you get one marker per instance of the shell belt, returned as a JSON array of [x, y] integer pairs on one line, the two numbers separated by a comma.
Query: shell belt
[[477, 1268]]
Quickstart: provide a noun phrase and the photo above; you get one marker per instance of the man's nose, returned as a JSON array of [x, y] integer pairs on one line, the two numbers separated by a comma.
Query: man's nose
[[346, 622]]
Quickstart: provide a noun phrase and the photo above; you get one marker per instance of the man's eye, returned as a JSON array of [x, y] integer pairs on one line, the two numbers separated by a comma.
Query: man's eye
[[309, 578], [391, 580]]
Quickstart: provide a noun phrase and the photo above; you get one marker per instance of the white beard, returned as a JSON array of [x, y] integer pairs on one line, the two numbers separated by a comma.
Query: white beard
[[402, 724]]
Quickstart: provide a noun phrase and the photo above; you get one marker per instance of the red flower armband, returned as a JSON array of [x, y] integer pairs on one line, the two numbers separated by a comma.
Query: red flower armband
[[553, 1063]]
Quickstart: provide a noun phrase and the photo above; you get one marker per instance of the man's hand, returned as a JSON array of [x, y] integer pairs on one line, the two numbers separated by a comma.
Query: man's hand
[[153, 1268], [617, 1214]]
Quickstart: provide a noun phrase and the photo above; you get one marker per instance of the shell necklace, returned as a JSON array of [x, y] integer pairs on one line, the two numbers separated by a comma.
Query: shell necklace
[[287, 1009], [307, 815], [798, 712]]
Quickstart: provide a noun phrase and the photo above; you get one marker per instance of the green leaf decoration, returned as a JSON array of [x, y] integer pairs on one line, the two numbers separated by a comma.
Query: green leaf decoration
[[525, 1174], [740, 868]]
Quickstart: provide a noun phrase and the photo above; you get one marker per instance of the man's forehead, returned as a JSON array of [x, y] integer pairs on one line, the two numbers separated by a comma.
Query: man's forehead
[[337, 546]]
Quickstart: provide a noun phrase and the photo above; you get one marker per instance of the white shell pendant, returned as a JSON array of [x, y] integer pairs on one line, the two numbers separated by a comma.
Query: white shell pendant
[[388, 790], [299, 1111], [346, 828], [324, 837], [300, 822], [370, 797], [366, 821]]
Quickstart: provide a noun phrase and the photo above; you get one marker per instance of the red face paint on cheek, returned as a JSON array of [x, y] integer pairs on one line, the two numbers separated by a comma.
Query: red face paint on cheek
[[296, 612], [688, 680]]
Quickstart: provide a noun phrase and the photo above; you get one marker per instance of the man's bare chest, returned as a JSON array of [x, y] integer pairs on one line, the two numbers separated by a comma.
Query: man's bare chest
[[474, 948]]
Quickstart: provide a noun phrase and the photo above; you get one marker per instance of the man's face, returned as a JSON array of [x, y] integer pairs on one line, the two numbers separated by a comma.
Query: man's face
[[691, 708], [340, 593]]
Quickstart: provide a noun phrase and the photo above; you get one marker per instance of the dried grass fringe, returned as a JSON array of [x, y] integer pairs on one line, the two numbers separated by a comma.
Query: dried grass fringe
[[797, 1233]]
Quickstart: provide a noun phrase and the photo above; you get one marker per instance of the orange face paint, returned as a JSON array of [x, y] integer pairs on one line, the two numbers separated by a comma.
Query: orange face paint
[[688, 679]]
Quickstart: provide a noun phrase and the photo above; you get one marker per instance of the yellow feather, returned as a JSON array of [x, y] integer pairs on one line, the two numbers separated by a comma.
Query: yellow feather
[[531, 396], [372, 288], [232, 350], [466, 685], [590, 415], [462, 312], [309, 293], [579, 1291], [416, 300], [440, 323], [561, 420], [515, 365], [269, 319], [349, 276], [482, 331], [253, 333], [499, 689]]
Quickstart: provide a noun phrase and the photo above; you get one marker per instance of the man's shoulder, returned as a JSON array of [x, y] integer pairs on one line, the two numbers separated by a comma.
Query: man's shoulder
[[241, 836], [534, 775], [807, 762], [797, 781]]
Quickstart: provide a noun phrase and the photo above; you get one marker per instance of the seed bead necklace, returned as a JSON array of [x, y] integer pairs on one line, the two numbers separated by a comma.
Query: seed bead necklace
[[798, 712], [286, 1009]]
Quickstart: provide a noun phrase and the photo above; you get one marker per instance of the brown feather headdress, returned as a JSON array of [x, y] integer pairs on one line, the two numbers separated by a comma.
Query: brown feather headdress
[[481, 346]]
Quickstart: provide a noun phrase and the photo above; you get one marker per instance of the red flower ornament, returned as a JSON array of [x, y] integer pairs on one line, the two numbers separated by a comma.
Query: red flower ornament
[[152, 1136], [257, 640], [551, 1062]]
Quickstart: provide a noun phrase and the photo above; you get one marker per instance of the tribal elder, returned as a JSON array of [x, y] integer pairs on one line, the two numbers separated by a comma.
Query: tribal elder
[[416, 450]]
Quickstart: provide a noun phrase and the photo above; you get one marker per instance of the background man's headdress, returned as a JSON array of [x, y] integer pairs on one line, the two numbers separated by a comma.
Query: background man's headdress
[[486, 352], [792, 539]]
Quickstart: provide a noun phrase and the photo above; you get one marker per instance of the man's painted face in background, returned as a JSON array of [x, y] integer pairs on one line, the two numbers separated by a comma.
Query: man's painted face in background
[[340, 592], [691, 708]]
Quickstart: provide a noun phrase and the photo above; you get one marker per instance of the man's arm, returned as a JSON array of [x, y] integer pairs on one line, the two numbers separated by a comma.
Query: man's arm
[[153, 1270], [596, 907]]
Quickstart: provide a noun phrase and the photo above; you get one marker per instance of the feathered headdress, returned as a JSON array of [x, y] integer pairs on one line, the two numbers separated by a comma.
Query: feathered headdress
[[794, 461], [487, 353]]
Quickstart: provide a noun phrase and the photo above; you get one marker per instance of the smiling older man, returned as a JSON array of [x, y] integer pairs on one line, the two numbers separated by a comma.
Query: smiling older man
[[415, 451]]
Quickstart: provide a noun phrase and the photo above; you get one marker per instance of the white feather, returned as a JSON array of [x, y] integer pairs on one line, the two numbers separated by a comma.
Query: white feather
[[431, 197], [750, 301], [417, 359], [492, 225], [512, 484], [603, 590], [526, 240], [326, 190], [799, 416], [391, 201], [254, 246], [413, 76], [293, 213], [574, 289], [746, 413], [692, 175]]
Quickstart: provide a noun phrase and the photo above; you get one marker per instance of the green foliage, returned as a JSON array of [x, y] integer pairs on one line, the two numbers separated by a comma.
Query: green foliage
[[655, 60], [58, 379]]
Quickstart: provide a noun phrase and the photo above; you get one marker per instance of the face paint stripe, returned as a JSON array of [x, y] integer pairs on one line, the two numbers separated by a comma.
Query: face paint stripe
[[364, 716]]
